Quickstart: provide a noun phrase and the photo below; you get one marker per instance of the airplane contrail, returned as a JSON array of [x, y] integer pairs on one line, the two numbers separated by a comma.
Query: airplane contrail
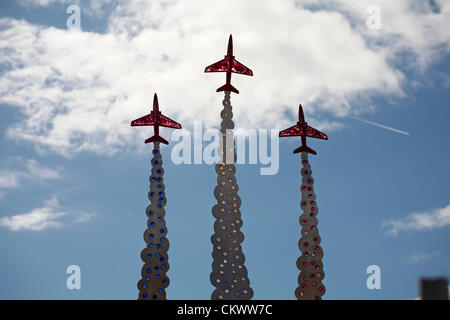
[[380, 125], [374, 123]]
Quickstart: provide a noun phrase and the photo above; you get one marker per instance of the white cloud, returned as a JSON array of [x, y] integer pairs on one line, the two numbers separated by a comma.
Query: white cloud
[[28, 170], [32, 170], [414, 26], [35, 170], [89, 7], [39, 3], [79, 90], [419, 257], [422, 221], [39, 219], [83, 217], [8, 179]]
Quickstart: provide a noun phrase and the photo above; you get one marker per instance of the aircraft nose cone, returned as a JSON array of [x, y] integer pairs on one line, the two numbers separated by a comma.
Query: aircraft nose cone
[[230, 44], [300, 112]]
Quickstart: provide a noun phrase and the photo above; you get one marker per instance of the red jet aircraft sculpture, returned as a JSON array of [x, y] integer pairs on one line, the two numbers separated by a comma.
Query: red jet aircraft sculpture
[[156, 119], [229, 65], [302, 129]]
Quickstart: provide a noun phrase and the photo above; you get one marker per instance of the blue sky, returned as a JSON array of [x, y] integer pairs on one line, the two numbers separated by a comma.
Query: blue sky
[[70, 161]]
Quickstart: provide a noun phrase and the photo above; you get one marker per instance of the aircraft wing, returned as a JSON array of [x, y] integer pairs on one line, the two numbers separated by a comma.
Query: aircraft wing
[[292, 131], [314, 133], [167, 122], [219, 66], [148, 120], [238, 67]]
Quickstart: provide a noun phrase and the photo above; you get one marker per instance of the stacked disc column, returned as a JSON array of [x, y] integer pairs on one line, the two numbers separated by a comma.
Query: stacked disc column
[[310, 262], [154, 280], [229, 274]]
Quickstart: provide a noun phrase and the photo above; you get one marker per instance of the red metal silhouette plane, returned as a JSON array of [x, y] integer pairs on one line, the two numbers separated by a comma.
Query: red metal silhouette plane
[[156, 119], [302, 129], [229, 65]]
